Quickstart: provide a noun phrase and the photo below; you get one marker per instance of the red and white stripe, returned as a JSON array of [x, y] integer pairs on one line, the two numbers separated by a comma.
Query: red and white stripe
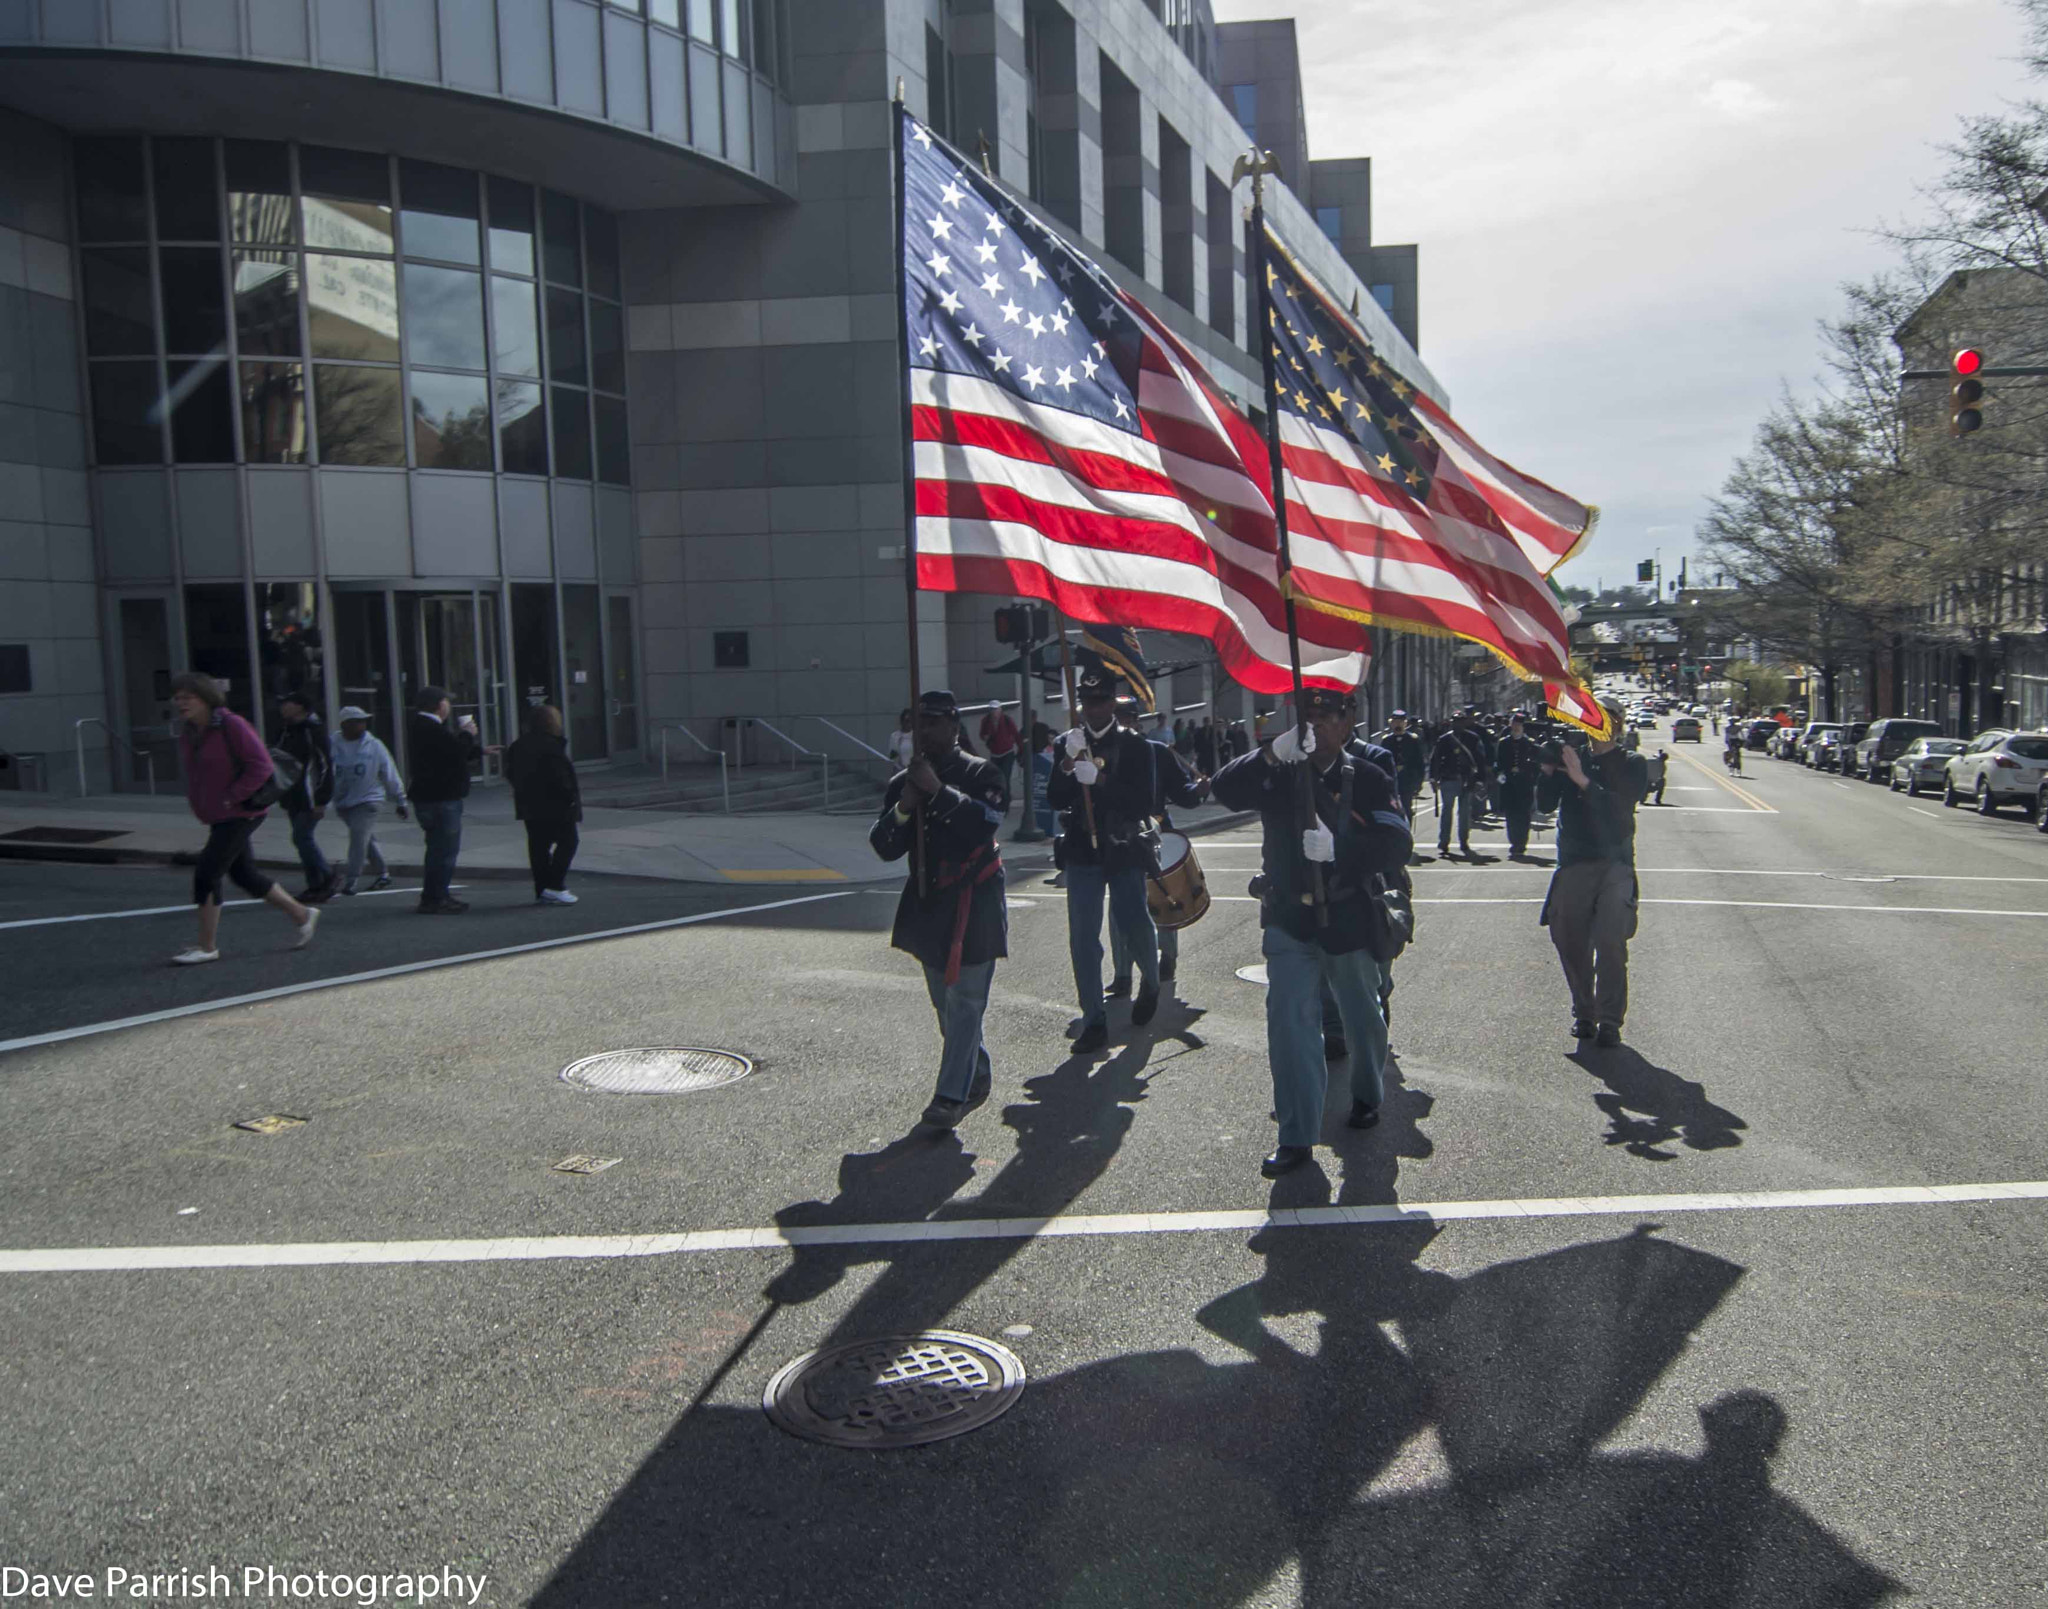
[[1166, 531], [1550, 526]]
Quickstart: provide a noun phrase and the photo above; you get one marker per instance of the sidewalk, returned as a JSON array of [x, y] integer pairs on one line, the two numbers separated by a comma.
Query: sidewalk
[[689, 848]]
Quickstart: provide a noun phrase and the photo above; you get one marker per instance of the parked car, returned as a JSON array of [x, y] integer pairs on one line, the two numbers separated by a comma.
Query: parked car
[[1685, 729], [1886, 741], [1998, 768], [1807, 733], [1758, 734], [1923, 763], [1845, 757], [1823, 750]]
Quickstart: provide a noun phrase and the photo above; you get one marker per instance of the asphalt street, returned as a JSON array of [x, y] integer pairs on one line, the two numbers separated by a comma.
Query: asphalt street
[[1540, 1396]]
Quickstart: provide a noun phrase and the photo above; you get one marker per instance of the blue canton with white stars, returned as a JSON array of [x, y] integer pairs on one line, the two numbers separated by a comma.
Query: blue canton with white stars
[[1325, 374], [992, 293]]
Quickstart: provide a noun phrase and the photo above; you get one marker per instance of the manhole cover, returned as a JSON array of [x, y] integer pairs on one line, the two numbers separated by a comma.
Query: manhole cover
[[901, 1391], [657, 1072], [1255, 973], [62, 835]]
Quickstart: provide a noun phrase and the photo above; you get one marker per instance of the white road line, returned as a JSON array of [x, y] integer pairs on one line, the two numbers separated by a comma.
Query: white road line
[[1931, 815], [1738, 871], [539, 1248], [182, 910], [431, 965], [1765, 905]]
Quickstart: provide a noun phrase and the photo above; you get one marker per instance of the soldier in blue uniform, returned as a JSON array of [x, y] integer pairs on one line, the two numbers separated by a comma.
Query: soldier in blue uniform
[[1102, 787], [953, 918], [1360, 832], [1173, 783]]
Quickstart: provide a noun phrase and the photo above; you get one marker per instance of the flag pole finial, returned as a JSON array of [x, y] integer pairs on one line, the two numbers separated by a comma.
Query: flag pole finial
[[899, 89], [981, 150]]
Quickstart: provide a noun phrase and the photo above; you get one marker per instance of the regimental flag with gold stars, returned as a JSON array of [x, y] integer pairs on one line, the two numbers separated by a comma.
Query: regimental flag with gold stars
[[1395, 516]]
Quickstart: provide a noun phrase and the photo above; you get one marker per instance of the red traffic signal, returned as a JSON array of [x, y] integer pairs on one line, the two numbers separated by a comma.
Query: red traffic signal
[[1967, 361]]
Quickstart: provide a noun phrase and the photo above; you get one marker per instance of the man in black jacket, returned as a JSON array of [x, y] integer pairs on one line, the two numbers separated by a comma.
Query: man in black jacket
[[1591, 907], [1458, 767], [951, 916], [1173, 783], [305, 740], [1517, 758], [1359, 832], [441, 754], [1102, 787], [1411, 758]]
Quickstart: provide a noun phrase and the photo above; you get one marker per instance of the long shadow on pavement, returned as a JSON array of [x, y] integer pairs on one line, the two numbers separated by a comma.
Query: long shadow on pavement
[[1648, 1107], [1391, 1435]]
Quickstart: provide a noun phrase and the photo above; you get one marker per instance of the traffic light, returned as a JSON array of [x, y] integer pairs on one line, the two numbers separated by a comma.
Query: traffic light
[[1964, 397], [1022, 623], [1706, 673]]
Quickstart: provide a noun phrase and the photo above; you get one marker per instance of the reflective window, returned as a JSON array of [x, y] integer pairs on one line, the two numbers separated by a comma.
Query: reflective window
[[451, 421], [195, 302], [601, 240], [111, 200], [701, 25], [558, 233], [186, 206], [267, 303], [125, 420], [572, 433], [522, 429], [664, 11], [259, 192], [732, 38], [515, 326], [511, 227], [614, 453], [202, 424], [444, 316], [351, 307], [607, 347], [358, 414], [288, 640], [217, 642], [118, 317], [273, 413], [440, 216], [347, 199], [565, 337]]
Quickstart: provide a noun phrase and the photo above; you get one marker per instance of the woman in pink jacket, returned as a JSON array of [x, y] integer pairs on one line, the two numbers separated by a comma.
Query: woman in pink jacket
[[225, 762]]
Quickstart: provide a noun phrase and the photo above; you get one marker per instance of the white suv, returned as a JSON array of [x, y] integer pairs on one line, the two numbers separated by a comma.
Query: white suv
[[1998, 768]]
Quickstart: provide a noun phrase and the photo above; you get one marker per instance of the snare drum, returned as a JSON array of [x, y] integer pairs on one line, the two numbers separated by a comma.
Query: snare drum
[[1179, 893]]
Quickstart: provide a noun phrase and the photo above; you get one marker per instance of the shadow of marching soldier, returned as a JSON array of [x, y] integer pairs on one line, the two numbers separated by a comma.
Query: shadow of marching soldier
[[1667, 1107]]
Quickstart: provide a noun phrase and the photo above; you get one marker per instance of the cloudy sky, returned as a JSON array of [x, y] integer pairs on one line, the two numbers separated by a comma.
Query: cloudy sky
[[1632, 212]]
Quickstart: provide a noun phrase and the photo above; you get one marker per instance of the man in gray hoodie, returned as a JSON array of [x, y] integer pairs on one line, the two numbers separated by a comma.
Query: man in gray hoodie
[[364, 776]]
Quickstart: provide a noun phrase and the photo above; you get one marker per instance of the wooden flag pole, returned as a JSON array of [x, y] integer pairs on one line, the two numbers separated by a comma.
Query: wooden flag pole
[[1059, 622], [1258, 165], [919, 867]]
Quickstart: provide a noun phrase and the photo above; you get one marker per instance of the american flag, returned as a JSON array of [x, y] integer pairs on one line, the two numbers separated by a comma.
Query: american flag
[[1395, 516], [1066, 446]]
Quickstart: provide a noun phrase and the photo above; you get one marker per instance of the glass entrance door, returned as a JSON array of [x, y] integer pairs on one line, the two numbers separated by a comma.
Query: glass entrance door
[[438, 647], [625, 678], [583, 662], [362, 658], [143, 631]]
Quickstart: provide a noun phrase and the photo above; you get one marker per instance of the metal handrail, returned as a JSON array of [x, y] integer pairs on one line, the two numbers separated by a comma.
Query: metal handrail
[[856, 742], [78, 734], [724, 775], [824, 761]]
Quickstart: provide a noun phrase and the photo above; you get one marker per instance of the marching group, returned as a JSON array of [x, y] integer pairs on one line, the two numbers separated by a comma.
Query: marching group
[[233, 780], [1337, 813]]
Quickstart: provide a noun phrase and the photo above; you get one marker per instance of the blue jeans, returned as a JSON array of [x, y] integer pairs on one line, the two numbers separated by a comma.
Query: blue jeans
[[964, 1062], [1465, 806], [1086, 886], [315, 863], [441, 822], [1120, 952], [1295, 973], [1333, 1019]]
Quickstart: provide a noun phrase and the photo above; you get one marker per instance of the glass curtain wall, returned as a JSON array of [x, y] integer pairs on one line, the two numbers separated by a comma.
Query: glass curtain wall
[[273, 304]]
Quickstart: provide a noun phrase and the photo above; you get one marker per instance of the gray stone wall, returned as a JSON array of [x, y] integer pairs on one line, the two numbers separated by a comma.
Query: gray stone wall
[[48, 597]]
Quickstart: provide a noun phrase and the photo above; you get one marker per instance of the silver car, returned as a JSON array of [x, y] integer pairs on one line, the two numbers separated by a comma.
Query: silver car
[[1923, 763]]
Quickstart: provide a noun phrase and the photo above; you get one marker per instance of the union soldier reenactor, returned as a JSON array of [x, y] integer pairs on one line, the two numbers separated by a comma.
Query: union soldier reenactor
[[1174, 782], [1519, 761], [1411, 758], [1591, 907], [1102, 787], [951, 916], [1458, 766], [1359, 833]]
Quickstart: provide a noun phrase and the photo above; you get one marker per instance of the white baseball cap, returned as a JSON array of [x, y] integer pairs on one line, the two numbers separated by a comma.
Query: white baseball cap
[[353, 712]]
